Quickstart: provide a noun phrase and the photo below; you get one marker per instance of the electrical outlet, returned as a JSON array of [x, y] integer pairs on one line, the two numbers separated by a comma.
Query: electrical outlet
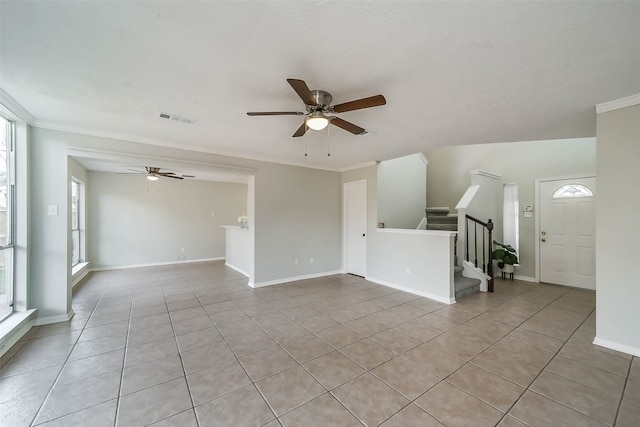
[[52, 210], [407, 270], [311, 260], [297, 261]]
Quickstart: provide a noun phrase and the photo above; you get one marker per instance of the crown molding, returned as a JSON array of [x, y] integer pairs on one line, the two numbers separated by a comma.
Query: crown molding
[[15, 108], [358, 166], [484, 173], [617, 104]]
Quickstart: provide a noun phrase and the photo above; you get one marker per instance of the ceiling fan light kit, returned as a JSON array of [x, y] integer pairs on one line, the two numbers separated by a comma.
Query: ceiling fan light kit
[[317, 121], [318, 106], [152, 177]]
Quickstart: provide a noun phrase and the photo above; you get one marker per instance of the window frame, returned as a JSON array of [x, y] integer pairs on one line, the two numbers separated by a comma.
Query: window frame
[[80, 223], [562, 193], [76, 260], [7, 250]]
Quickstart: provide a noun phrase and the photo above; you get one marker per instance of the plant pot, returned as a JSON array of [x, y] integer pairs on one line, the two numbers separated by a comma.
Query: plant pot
[[508, 268]]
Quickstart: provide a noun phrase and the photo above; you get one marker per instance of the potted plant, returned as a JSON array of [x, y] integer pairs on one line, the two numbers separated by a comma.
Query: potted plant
[[506, 256]]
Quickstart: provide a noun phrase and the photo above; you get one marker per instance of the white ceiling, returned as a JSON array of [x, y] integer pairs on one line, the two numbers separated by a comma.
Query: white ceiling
[[452, 72]]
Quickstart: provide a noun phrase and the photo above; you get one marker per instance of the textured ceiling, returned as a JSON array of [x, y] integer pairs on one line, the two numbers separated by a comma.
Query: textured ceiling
[[452, 72]]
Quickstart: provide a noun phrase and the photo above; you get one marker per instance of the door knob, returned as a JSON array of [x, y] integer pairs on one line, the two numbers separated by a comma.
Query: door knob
[[543, 240], [544, 233]]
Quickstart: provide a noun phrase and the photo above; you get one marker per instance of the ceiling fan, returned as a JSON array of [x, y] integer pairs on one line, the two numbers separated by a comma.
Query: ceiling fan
[[319, 109], [153, 174]]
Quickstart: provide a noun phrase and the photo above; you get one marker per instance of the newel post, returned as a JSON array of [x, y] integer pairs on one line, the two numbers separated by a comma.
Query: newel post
[[490, 266]]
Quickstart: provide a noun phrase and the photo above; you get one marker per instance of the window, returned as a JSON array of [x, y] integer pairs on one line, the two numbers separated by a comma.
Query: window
[[77, 221], [510, 219], [7, 194], [572, 190]]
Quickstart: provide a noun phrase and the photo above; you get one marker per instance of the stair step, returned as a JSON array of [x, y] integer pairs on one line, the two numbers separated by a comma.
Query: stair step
[[457, 269], [437, 211], [442, 219], [468, 291], [465, 286], [443, 227]]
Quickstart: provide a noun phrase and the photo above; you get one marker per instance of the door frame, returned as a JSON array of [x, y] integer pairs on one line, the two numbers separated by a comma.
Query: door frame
[[537, 212], [345, 221]]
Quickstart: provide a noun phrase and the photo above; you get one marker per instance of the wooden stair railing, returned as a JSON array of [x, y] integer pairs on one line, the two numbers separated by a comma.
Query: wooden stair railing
[[487, 246]]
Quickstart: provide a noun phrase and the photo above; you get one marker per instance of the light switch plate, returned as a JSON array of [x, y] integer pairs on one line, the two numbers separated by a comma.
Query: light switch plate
[[52, 210], [528, 214]]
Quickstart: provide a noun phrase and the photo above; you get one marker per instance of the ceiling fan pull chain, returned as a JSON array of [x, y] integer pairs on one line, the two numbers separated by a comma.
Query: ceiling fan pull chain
[[328, 143], [305, 148]]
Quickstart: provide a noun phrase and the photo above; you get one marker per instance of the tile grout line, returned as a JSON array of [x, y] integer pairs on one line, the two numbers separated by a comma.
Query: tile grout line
[[124, 356], [64, 364], [315, 334], [470, 361], [175, 338], [624, 389], [543, 370]]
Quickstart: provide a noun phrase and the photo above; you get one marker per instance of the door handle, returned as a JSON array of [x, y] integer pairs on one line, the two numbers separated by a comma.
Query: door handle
[[543, 240], [363, 235]]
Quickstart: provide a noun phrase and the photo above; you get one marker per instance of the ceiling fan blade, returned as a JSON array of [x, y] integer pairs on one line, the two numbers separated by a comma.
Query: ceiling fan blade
[[303, 91], [359, 104], [301, 130], [275, 113], [348, 126], [171, 176], [166, 173], [135, 170]]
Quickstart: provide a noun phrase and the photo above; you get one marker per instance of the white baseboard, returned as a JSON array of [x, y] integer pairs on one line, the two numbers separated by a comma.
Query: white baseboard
[[239, 270], [81, 275], [293, 279], [53, 319], [412, 291], [634, 351], [518, 277], [155, 264], [525, 278], [15, 327]]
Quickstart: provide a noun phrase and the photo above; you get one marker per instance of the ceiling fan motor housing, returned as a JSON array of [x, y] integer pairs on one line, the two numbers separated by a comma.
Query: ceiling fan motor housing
[[323, 101]]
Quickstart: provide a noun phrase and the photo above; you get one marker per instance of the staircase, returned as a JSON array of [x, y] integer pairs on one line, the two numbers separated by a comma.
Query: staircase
[[464, 285], [439, 219]]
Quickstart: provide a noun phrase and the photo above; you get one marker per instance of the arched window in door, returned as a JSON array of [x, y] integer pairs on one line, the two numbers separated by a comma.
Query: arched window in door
[[572, 190]]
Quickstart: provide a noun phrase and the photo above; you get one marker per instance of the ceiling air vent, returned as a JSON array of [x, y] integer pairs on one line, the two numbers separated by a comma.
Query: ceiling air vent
[[175, 118]]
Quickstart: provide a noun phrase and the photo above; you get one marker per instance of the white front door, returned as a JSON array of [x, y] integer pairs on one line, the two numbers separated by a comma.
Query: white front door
[[355, 227], [567, 232]]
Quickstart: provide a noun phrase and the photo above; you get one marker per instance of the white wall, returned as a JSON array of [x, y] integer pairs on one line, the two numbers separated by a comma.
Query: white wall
[[518, 162], [297, 213], [416, 261], [50, 240], [134, 221], [238, 249], [402, 191], [428, 254], [618, 230]]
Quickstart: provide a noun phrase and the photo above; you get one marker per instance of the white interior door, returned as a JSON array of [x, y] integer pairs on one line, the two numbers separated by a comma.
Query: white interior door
[[355, 227], [567, 232]]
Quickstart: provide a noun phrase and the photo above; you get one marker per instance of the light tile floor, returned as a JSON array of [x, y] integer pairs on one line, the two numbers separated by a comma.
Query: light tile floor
[[191, 344]]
